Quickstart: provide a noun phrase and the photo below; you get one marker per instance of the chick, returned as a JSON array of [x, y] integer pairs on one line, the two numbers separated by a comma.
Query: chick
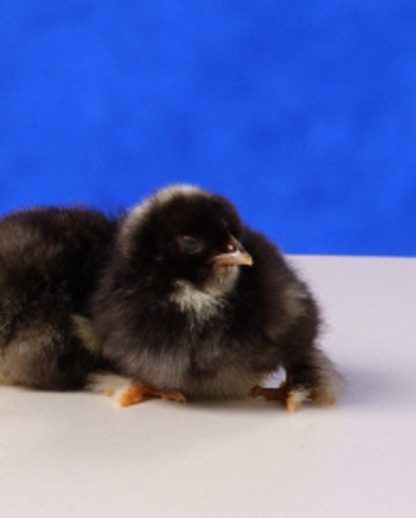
[[50, 262], [194, 304]]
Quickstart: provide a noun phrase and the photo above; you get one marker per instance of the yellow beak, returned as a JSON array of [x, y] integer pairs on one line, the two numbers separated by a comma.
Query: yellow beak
[[237, 255]]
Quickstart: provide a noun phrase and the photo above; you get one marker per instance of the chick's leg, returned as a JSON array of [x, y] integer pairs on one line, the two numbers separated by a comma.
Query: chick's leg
[[310, 378], [290, 397], [270, 393]]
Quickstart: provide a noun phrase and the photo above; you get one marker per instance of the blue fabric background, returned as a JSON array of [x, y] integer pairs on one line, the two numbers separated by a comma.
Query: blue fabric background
[[302, 112]]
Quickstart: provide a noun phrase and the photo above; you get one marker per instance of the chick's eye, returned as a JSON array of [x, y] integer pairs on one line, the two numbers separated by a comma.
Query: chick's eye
[[189, 245]]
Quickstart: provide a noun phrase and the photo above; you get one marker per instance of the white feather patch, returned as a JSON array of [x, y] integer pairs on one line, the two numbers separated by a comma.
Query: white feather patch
[[202, 304], [111, 385], [208, 301]]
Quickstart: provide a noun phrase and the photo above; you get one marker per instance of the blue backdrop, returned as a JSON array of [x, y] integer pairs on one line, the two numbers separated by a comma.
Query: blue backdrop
[[302, 112]]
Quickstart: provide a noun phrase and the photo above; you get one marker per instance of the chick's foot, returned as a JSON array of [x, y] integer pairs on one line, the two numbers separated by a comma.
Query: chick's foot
[[138, 392], [269, 393], [293, 397]]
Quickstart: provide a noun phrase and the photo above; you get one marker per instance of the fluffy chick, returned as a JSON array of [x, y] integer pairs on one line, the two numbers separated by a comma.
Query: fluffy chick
[[194, 303], [50, 261]]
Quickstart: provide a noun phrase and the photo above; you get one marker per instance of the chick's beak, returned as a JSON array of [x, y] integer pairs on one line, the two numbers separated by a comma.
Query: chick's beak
[[236, 255]]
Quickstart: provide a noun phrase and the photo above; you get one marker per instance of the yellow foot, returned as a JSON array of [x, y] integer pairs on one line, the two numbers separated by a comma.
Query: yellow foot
[[294, 397], [291, 398], [138, 392]]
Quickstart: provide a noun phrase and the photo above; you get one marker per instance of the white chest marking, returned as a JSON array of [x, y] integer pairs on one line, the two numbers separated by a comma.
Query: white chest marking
[[203, 304]]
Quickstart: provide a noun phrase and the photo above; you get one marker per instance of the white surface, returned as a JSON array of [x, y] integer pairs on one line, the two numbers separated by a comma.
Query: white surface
[[76, 455]]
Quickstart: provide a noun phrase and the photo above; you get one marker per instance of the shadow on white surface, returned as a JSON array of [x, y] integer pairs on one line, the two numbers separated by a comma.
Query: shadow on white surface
[[373, 389]]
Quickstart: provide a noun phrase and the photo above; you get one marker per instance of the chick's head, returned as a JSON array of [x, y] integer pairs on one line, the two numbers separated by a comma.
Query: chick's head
[[185, 233]]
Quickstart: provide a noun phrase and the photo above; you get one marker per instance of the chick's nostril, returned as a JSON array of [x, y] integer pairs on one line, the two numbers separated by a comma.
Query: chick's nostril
[[234, 245]]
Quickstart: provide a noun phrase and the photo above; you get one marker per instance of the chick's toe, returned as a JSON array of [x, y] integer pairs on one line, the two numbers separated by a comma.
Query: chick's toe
[[270, 393], [138, 392]]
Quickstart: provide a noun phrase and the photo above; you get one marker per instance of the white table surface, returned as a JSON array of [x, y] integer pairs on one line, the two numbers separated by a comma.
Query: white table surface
[[77, 455]]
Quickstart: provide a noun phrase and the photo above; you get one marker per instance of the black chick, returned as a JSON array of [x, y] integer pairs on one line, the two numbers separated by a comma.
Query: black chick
[[50, 262], [193, 304]]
